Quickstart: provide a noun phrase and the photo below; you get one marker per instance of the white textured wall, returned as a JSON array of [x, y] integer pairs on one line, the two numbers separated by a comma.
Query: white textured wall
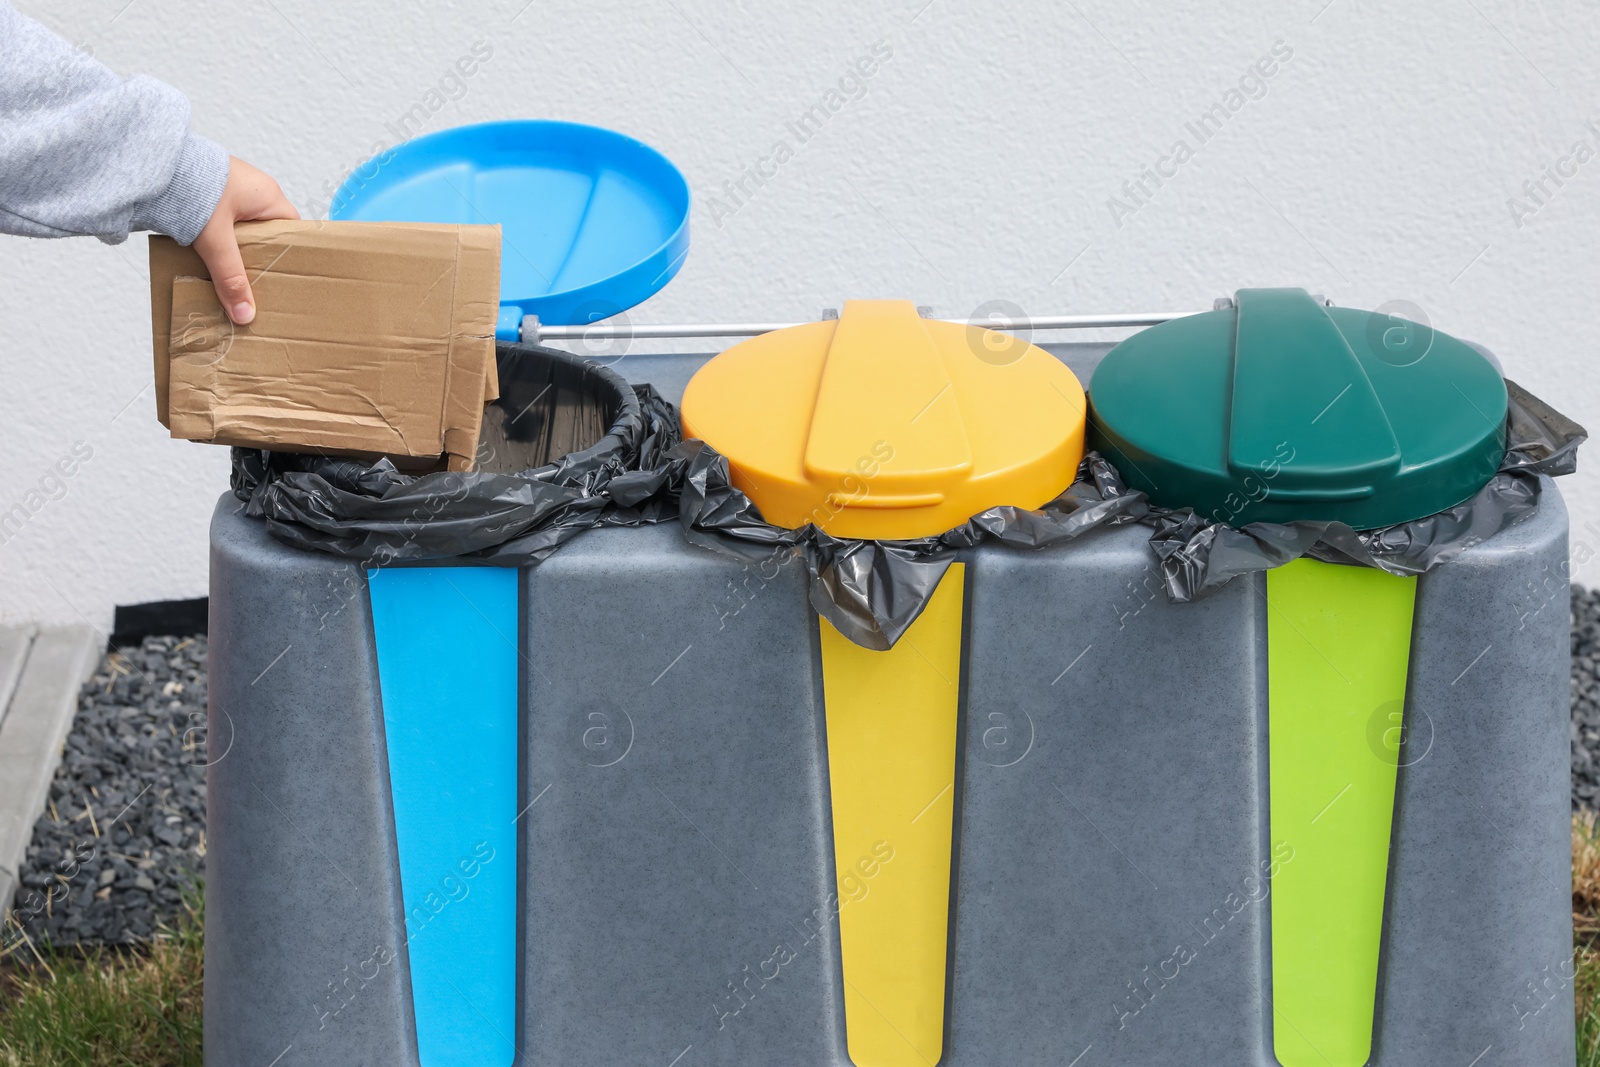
[[975, 164]]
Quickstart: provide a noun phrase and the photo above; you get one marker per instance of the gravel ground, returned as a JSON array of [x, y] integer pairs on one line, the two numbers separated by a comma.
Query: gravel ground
[[124, 832], [1585, 698]]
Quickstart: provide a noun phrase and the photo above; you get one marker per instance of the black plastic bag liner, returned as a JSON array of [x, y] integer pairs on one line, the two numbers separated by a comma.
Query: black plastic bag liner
[[872, 591], [569, 445], [1198, 557]]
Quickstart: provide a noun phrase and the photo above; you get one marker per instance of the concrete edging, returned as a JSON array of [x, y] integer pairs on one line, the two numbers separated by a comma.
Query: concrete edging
[[41, 672]]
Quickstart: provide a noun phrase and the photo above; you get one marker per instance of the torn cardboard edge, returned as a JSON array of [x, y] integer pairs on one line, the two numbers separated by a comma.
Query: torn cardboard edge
[[369, 339]]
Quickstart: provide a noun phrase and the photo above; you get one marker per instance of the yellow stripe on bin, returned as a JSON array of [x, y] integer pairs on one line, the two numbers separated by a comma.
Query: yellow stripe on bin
[[1338, 644], [891, 767]]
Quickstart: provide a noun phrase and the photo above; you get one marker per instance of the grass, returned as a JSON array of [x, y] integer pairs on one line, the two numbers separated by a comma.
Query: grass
[[141, 1007], [106, 1007], [1588, 964], [1586, 935]]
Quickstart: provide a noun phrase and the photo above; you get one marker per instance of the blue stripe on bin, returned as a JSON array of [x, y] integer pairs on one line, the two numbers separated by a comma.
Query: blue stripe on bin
[[447, 663]]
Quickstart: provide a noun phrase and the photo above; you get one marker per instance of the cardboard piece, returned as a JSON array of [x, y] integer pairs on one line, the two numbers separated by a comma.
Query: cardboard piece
[[370, 338]]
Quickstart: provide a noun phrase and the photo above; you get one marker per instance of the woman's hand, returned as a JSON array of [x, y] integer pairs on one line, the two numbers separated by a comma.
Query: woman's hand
[[249, 195]]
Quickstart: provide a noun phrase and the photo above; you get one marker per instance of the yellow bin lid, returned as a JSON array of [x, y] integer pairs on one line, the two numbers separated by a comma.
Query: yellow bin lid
[[883, 425]]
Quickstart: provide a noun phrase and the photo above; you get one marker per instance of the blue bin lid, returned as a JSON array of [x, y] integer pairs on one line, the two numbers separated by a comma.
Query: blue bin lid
[[592, 221]]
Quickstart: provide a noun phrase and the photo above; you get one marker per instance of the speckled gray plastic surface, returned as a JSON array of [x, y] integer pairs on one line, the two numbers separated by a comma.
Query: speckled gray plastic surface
[[1113, 781], [1479, 923], [305, 949], [684, 835], [1112, 797]]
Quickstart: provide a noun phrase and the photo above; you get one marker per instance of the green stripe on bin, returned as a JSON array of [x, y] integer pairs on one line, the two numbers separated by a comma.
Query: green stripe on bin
[[1338, 644]]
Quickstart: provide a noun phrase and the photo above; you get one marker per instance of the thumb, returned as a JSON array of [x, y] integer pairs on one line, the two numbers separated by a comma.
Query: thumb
[[220, 250]]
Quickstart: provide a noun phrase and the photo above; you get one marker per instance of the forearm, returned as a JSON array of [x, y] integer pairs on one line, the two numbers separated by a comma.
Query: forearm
[[85, 152]]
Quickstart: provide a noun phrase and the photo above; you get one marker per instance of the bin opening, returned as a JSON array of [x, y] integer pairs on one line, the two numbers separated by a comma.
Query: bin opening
[[551, 406]]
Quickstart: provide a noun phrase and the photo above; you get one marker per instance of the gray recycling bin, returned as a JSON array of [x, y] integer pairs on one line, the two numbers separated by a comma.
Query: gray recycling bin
[[614, 808]]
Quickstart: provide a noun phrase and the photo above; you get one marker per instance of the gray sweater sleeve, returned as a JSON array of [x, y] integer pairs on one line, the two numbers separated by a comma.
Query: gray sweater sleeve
[[84, 152]]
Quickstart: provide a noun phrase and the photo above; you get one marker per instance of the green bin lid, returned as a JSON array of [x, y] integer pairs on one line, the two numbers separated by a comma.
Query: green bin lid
[[1280, 408]]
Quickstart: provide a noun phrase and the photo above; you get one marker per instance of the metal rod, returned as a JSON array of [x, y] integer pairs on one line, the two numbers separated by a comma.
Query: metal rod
[[601, 331]]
